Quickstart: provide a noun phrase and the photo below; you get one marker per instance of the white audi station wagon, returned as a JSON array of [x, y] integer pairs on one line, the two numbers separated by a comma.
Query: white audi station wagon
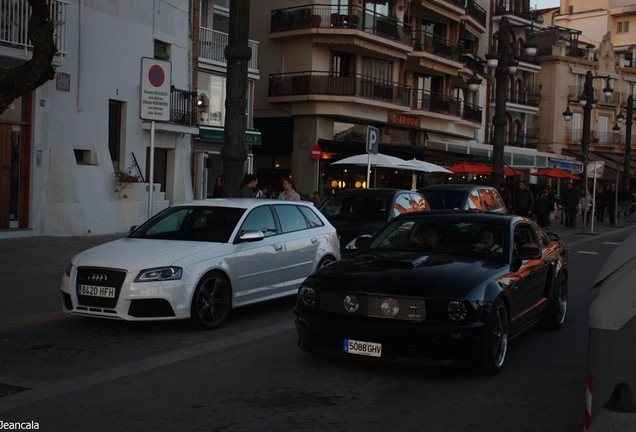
[[198, 259]]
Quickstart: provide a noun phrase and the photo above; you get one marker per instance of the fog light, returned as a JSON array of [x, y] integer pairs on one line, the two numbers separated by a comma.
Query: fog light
[[456, 310], [307, 295], [390, 307], [351, 303]]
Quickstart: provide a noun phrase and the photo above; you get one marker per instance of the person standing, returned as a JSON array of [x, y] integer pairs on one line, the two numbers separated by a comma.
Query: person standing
[[569, 200], [316, 198], [623, 201], [217, 192], [610, 202], [247, 185], [524, 201], [601, 198], [288, 193], [550, 203], [541, 209], [506, 197]]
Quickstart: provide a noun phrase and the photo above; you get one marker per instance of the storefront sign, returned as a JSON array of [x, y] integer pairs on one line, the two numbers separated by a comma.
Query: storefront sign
[[402, 120], [217, 134]]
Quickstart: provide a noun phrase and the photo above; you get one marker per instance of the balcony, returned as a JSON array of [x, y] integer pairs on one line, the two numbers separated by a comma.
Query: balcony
[[472, 113], [352, 18], [527, 139], [212, 48], [519, 8], [474, 63], [14, 25], [424, 41], [435, 102], [326, 83], [182, 107], [476, 12], [526, 98]]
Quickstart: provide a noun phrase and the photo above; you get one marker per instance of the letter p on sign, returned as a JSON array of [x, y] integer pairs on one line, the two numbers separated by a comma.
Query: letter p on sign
[[373, 137]]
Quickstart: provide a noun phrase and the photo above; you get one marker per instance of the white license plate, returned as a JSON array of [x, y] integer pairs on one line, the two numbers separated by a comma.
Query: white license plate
[[370, 349], [96, 291]]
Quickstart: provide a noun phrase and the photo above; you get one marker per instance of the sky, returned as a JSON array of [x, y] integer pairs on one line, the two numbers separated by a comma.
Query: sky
[[542, 4]]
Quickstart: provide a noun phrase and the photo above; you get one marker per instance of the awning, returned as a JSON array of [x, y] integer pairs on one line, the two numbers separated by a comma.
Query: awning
[[356, 41], [432, 136], [217, 134], [431, 64], [455, 16]]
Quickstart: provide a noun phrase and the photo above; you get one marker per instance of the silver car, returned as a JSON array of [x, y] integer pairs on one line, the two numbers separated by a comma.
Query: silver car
[[197, 260]]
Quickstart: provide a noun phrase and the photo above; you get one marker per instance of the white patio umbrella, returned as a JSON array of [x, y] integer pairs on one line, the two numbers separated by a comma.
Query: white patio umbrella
[[376, 160], [418, 165]]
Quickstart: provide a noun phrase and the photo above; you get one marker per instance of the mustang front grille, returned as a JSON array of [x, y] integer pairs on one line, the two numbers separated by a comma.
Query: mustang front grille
[[401, 308]]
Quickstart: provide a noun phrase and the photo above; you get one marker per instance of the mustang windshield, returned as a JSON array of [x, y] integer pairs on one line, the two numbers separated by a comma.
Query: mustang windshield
[[357, 208], [437, 235], [211, 224]]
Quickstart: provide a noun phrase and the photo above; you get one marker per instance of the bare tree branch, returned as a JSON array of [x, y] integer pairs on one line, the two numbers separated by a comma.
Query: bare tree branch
[[32, 74]]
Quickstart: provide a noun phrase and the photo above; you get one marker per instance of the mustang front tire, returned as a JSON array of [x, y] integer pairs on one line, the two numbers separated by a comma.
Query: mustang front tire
[[495, 339]]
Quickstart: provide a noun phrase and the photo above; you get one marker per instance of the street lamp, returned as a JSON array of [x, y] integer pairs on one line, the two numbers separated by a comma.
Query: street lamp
[[629, 121], [504, 64], [587, 101]]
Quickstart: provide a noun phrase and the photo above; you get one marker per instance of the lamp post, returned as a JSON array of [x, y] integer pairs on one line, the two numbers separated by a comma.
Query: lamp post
[[628, 137], [587, 101], [505, 64]]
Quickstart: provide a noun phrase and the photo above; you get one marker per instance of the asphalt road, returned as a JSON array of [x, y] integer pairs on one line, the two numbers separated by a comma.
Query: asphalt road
[[90, 374]]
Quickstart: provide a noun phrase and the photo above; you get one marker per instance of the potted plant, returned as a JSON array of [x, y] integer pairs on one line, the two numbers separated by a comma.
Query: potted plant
[[315, 20]]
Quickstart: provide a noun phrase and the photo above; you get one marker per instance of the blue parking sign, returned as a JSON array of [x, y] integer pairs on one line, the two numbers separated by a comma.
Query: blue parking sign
[[373, 139]]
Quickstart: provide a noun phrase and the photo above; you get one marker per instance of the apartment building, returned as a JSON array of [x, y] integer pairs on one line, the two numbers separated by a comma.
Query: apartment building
[[334, 68]]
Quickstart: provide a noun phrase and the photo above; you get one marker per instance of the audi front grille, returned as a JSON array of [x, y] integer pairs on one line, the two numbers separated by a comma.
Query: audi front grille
[[99, 277]]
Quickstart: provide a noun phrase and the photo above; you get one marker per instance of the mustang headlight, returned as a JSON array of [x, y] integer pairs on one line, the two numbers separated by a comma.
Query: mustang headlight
[[159, 274], [307, 296], [353, 245], [351, 304], [457, 310], [390, 307]]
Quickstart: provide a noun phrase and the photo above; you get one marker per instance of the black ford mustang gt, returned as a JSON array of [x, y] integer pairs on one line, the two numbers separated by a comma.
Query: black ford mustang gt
[[437, 288]]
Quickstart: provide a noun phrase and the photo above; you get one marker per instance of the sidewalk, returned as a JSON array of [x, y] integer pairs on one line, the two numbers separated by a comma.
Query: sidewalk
[[591, 230]]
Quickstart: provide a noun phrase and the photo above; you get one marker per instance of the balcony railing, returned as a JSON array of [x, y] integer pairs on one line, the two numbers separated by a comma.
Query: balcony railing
[[213, 45], [520, 8], [472, 113], [343, 17], [527, 139], [477, 12], [424, 41], [430, 101], [526, 98], [474, 63], [182, 107], [14, 23], [326, 83]]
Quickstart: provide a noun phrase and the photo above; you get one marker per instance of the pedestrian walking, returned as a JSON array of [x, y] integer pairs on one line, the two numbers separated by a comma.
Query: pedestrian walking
[[610, 203], [524, 201], [623, 201], [569, 201], [600, 199]]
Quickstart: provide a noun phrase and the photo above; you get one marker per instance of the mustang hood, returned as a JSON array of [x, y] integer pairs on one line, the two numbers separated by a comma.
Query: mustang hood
[[135, 254], [409, 274]]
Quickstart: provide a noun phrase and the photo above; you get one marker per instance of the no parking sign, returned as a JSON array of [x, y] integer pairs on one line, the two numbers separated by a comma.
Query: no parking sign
[[155, 89]]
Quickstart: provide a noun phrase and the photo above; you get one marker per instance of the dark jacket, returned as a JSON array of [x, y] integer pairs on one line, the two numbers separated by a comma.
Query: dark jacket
[[524, 202], [569, 198]]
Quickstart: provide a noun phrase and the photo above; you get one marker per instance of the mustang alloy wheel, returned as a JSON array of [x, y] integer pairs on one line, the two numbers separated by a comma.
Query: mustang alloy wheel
[[211, 302], [495, 339], [555, 313]]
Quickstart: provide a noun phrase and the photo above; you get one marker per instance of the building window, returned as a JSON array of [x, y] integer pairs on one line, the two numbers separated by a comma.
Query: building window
[[622, 27], [114, 131], [211, 95], [343, 64], [162, 50]]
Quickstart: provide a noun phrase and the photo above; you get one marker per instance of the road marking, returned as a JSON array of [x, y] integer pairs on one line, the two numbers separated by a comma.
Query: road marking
[[100, 377], [588, 252], [612, 243], [34, 321]]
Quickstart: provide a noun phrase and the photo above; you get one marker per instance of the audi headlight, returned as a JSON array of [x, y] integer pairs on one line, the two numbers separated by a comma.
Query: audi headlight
[[457, 310], [159, 274], [69, 269], [307, 296]]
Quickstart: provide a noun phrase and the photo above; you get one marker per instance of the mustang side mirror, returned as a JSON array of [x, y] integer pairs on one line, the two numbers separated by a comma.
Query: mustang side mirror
[[528, 252]]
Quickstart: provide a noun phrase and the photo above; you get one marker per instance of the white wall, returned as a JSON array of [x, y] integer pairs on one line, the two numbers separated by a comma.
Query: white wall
[[104, 63]]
